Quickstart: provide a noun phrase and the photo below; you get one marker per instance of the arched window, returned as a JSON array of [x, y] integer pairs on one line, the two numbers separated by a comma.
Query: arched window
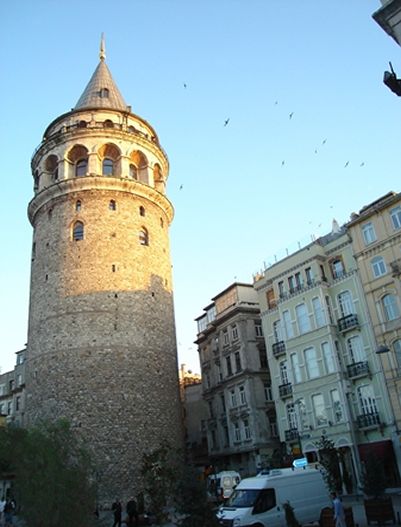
[[337, 268], [82, 124], [133, 171], [143, 236], [78, 231], [107, 167], [78, 205], [356, 349], [345, 304], [367, 400], [112, 205], [108, 124], [390, 307], [378, 266], [81, 167], [104, 93], [142, 211]]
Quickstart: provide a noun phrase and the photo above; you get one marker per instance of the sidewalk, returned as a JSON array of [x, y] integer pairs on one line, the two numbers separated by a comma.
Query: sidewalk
[[356, 502]]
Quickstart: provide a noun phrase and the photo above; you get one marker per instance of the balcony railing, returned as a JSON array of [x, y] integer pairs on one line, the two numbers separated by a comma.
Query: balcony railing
[[371, 420], [358, 369], [285, 390], [291, 435], [278, 348], [348, 322]]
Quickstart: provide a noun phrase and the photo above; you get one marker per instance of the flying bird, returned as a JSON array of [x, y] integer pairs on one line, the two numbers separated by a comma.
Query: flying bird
[[362, 164], [226, 122], [291, 114], [282, 163], [185, 85], [324, 142], [346, 164], [181, 187]]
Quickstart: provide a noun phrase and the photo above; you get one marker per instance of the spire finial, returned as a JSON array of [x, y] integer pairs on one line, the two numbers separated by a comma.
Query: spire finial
[[102, 55]]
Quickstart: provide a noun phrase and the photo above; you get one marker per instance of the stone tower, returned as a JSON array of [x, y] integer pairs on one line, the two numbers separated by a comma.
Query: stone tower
[[101, 340]]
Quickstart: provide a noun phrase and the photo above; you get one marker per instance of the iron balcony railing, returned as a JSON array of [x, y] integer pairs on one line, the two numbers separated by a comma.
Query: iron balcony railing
[[278, 348], [370, 420], [285, 390], [348, 322], [358, 369], [291, 435]]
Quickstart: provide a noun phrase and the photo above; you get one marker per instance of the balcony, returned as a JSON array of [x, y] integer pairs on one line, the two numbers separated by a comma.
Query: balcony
[[358, 369], [285, 390], [348, 322], [278, 348], [369, 421], [291, 436]]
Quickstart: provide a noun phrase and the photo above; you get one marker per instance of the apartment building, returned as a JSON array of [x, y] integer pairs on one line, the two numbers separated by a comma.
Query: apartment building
[[326, 376], [12, 392], [240, 415], [376, 239]]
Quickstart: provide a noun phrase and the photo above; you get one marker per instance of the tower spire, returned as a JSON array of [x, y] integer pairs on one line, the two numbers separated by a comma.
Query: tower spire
[[102, 55]]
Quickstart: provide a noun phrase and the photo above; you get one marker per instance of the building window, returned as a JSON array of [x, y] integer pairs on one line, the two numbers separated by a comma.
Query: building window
[[234, 332], [378, 266], [367, 399], [291, 284], [19, 379], [242, 396], [268, 392], [296, 371], [345, 304], [288, 324], [225, 338], [78, 231], [229, 367], [233, 398], [368, 233], [258, 329], [395, 215], [278, 335], [270, 299], [319, 410], [337, 268], [263, 358], [81, 167], [284, 372], [104, 93], [291, 417], [355, 348], [226, 435], [142, 211], [11, 385], [237, 432], [211, 412], [390, 307], [108, 124], [298, 281], [9, 408], [303, 419], [303, 319], [309, 276], [337, 406], [312, 366], [223, 403], [18, 403], [328, 357], [273, 428], [112, 205], [78, 205], [397, 351], [237, 362], [143, 237], [107, 167], [317, 308], [281, 290], [133, 171], [247, 430]]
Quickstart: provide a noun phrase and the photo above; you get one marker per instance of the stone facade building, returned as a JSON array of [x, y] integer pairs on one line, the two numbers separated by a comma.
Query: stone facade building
[[101, 346], [12, 392], [240, 416]]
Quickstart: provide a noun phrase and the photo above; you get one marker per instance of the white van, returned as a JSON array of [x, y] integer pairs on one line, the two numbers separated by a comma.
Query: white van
[[258, 501], [222, 484]]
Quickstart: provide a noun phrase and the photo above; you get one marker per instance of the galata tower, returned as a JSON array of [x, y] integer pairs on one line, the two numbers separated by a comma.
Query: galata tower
[[101, 346]]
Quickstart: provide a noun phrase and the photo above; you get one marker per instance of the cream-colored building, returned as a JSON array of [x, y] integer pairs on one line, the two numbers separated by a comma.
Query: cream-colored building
[[326, 377], [240, 416], [376, 238]]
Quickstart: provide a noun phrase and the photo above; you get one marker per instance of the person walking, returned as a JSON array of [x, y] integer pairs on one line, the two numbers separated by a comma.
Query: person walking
[[339, 514], [8, 513], [2, 504], [132, 512], [117, 511]]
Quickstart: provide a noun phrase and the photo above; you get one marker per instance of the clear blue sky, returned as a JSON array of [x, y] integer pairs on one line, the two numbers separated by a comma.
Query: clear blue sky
[[252, 61]]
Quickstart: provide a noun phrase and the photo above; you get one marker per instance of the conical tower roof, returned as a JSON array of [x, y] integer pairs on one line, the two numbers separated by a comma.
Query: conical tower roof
[[101, 91]]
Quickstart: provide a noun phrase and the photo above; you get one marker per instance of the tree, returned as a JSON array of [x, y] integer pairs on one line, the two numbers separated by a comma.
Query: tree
[[53, 474], [329, 462], [373, 479]]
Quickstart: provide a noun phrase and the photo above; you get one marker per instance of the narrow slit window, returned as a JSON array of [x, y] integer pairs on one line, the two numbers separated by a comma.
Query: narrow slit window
[[78, 231]]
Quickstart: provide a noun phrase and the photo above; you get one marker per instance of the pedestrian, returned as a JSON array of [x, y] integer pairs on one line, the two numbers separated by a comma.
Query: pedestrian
[[339, 514], [8, 513], [2, 504], [132, 512], [117, 510]]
